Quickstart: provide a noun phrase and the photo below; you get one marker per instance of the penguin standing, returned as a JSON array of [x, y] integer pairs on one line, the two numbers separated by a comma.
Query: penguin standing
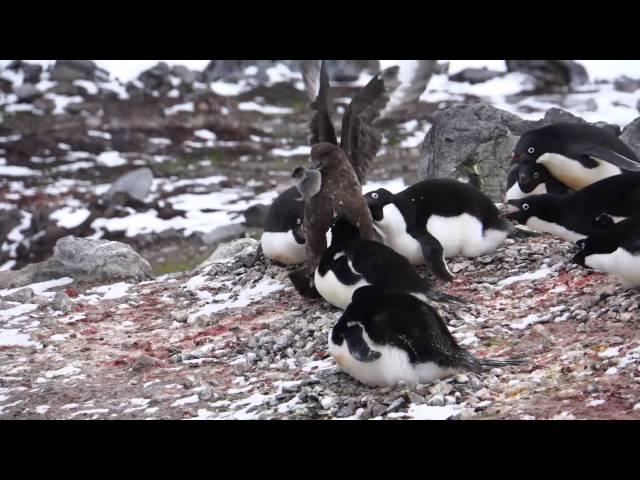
[[435, 219], [572, 216], [527, 179], [342, 167], [283, 238], [576, 154], [614, 248], [384, 337], [352, 262]]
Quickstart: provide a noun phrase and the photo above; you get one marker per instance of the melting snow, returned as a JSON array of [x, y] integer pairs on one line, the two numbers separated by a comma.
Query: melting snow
[[68, 217], [543, 272], [111, 159]]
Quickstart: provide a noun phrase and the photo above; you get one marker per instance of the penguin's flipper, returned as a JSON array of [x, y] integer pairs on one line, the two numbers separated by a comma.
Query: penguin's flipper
[[358, 347], [343, 271], [316, 83], [433, 254], [297, 233], [359, 138], [613, 157]]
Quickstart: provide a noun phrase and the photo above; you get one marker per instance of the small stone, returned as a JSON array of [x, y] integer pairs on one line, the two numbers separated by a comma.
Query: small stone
[[395, 405], [61, 302], [144, 361], [461, 378], [436, 401], [378, 409], [450, 400], [568, 393], [413, 397], [179, 316], [206, 393], [483, 394]]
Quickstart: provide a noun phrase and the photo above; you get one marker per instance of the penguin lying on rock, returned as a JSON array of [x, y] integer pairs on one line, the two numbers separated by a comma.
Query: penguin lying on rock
[[384, 337], [352, 262], [613, 248], [576, 154], [435, 219], [572, 216]]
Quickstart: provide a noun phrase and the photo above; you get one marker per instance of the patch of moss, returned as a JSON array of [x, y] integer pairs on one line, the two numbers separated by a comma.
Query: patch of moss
[[177, 264]]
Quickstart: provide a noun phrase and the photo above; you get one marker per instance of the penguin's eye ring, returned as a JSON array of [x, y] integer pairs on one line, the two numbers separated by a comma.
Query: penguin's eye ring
[[298, 221], [374, 195], [536, 175], [525, 206], [531, 149]]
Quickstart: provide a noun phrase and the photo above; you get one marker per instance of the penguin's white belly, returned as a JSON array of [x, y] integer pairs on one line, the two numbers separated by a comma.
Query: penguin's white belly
[[464, 235], [282, 247], [548, 227], [515, 193], [573, 174], [335, 292], [392, 367], [621, 263]]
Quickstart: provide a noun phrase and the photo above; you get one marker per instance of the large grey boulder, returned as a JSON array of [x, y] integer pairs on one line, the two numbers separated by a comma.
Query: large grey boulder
[[631, 136], [27, 93], [70, 70], [228, 252], [475, 75], [84, 260], [551, 74], [137, 183], [474, 143], [471, 143]]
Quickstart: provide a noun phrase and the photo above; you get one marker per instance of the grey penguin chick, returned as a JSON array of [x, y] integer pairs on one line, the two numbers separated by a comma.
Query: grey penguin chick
[[309, 182]]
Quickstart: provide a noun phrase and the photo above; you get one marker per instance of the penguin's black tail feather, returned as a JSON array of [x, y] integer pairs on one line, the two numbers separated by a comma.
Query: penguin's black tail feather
[[478, 365], [488, 363], [439, 296]]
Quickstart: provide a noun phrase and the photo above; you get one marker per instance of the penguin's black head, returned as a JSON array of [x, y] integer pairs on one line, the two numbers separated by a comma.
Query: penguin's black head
[[599, 242], [530, 175], [525, 209], [376, 201], [342, 230], [602, 222], [534, 143]]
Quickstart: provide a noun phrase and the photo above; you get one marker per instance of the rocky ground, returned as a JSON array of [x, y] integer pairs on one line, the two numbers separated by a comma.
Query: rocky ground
[[230, 342]]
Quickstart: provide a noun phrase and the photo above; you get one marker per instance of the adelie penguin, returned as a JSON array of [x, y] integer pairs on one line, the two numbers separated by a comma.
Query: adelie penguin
[[576, 154], [527, 179], [342, 167], [435, 219], [572, 216], [613, 248], [283, 239], [352, 262], [384, 337]]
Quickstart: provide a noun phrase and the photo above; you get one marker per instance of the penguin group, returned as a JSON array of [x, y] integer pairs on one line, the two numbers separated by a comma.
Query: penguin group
[[359, 252], [580, 182]]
